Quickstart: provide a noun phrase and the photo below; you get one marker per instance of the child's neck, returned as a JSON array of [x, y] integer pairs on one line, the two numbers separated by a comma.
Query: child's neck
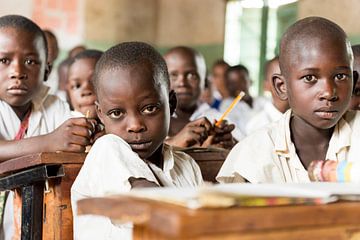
[[311, 143], [185, 112], [157, 157], [21, 111]]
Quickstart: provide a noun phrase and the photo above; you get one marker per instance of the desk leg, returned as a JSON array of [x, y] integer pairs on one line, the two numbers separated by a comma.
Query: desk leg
[[32, 211]]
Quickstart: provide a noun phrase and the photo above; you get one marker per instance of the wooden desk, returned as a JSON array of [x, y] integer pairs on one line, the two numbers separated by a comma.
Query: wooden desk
[[44, 180], [209, 160], [154, 220]]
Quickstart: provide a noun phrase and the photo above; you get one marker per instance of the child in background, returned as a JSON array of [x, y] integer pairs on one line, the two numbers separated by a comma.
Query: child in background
[[316, 78], [272, 110], [217, 77], [191, 124], [237, 79], [31, 121], [134, 104], [355, 99], [62, 71], [80, 88], [53, 52]]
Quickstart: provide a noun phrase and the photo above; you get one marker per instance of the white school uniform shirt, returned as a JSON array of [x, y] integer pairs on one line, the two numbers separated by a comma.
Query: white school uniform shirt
[[269, 155], [106, 170], [268, 115], [48, 112], [204, 110]]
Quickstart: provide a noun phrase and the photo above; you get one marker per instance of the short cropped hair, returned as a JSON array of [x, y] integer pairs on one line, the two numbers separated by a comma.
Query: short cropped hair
[[309, 29], [22, 23], [356, 50], [220, 62], [198, 57], [131, 53], [88, 53], [238, 67]]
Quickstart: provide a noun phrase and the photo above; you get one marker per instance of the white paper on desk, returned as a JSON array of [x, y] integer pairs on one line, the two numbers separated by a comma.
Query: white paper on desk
[[226, 195]]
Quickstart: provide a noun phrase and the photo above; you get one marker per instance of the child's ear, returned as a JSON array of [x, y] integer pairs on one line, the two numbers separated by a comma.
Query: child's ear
[[278, 83], [48, 69], [355, 79], [172, 102], [99, 112]]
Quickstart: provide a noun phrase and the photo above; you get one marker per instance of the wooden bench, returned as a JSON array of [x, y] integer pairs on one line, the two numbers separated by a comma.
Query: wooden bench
[[44, 180]]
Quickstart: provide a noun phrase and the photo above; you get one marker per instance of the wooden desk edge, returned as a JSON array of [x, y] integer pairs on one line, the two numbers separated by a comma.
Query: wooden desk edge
[[173, 220], [20, 163]]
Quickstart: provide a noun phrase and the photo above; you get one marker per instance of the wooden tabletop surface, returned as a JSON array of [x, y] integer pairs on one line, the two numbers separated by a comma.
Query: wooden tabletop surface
[[173, 220]]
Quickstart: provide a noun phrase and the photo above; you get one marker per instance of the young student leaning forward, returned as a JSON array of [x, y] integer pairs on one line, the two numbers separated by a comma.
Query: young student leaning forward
[[134, 104], [31, 120], [317, 78]]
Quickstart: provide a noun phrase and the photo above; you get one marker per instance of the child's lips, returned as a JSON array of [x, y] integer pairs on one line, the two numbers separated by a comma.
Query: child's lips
[[327, 113], [17, 90], [140, 145]]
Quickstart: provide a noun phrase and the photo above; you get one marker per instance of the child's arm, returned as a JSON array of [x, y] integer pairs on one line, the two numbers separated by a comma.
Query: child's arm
[[72, 136], [141, 183], [194, 133]]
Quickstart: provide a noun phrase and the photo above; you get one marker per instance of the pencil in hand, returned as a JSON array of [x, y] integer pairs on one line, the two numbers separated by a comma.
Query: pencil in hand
[[228, 110]]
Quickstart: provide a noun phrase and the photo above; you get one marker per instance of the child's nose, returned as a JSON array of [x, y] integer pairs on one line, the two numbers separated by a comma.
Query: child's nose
[[135, 124], [329, 91], [17, 71]]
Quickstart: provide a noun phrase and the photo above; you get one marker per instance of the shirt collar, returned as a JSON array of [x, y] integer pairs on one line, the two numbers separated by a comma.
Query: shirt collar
[[40, 97], [340, 139], [168, 158], [282, 135]]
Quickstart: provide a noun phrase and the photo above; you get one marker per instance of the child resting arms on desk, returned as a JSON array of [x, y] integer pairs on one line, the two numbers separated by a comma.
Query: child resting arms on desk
[[134, 104], [316, 64]]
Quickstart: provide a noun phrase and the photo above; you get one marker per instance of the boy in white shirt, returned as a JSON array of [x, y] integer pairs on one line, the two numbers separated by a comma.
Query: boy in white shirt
[[316, 64], [134, 104], [30, 120]]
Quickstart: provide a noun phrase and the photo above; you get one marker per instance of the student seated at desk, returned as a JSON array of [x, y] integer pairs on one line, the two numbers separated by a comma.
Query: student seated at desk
[[31, 120], [316, 64], [273, 109], [79, 86], [191, 124], [134, 104], [355, 99]]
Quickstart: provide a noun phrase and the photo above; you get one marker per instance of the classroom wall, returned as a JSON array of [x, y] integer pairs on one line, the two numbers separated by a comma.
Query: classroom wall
[[343, 12], [163, 23]]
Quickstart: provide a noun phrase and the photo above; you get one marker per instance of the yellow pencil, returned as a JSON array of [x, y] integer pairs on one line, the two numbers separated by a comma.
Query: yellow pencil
[[87, 114], [232, 105]]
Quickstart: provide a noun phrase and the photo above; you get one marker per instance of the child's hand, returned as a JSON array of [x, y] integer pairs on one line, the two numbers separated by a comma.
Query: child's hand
[[98, 130], [141, 183], [71, 136], [221, 136], [193, 134]]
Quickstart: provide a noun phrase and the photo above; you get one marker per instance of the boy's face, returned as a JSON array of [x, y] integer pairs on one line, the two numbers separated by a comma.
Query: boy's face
[[132, 107], [184, 78], [80, 88], [319, 81], [355, 99], [22, 65], [237, 81], [218, 77]]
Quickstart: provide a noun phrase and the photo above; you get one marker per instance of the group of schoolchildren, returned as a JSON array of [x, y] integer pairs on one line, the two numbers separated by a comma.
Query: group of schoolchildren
[[137, 107]]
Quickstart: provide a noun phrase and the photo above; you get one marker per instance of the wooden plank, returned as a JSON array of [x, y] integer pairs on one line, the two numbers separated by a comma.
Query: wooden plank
[[58, 220], [171, 220], [209, 160], [21, 163]]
